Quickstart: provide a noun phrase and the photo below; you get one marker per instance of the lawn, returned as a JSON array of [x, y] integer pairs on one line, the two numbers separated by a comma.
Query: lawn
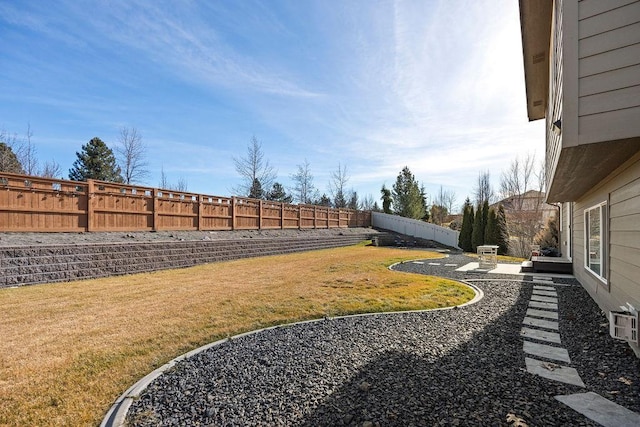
[[70, 349]]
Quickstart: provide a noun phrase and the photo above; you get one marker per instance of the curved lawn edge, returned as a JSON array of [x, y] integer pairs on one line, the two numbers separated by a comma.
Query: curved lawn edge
[[117, 413]]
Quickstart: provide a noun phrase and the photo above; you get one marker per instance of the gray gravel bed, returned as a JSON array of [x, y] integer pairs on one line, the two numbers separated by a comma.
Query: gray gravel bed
[[453, 367]]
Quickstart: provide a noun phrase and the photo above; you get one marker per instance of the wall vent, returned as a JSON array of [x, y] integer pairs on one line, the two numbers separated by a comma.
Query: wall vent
[[623, 325]]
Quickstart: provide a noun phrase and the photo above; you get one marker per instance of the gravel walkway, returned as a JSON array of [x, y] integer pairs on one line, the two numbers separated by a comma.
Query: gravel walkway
[[452, 367]]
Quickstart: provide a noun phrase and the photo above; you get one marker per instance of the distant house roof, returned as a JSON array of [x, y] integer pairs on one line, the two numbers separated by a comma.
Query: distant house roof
[[527, 199]]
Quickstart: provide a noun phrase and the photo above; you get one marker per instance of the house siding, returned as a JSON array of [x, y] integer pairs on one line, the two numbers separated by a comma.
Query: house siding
[[621, 191], [609, 65], [554, 109]]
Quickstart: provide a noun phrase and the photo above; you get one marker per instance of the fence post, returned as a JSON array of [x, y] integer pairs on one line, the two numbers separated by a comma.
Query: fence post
[[260, 215], [233, 213], [90, 206], [328, 219], [315, 217], [200, 200], [156, 205], [299, 217], [281, 215]]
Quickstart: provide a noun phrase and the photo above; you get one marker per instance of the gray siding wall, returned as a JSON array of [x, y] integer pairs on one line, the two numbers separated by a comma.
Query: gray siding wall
[[554, 109], [609, 70], [621, 191]]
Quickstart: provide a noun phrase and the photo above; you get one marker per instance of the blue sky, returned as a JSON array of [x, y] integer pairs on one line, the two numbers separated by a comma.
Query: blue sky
[[374, 85]]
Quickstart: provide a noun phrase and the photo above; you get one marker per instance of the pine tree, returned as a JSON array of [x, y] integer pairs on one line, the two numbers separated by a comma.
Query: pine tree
[[485, 218], [278, 194], [95, 161], [464, 240], [548, 236], [477, 235], [502, 232], [8, 160], [386, 199], [491, 230], [408, 197], [255, 192]]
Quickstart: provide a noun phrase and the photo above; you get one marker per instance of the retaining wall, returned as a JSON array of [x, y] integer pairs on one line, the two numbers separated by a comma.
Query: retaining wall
[[26, 265]]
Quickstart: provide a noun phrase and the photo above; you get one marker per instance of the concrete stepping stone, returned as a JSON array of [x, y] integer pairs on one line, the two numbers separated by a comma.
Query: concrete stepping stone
[[541, 335], [553, 371], [543, 298], [451, 265], [542, 313], [545, 293], [546, 351], [434, 263], [547, 305], [601, 410], [543, 288], [418, 262], [540, 323], [543, 278]]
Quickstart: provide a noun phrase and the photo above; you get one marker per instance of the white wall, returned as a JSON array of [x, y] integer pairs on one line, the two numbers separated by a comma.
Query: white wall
[[415, 228]]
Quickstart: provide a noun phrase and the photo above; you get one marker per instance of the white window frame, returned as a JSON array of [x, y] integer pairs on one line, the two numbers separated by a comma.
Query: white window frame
[[603, 243]]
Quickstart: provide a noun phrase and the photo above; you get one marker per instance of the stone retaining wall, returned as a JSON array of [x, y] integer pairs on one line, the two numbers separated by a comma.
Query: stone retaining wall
[[27, 265]]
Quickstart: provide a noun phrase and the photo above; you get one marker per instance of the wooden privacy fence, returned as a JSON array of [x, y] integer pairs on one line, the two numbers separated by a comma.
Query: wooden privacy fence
[[29, 203]]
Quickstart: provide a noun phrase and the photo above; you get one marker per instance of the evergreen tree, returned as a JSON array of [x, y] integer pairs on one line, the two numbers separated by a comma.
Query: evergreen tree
[[548, 236], [278, 194], [485, 217], [386, 199], [491, 230], [477, 236], [255, 192], [8, 160], [353, 201], [324, 200], [466, 230], [502, 232], [408, 197], [95, 161]]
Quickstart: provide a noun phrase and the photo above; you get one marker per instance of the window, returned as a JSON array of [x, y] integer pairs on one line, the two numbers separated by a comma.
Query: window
[[595, 241]]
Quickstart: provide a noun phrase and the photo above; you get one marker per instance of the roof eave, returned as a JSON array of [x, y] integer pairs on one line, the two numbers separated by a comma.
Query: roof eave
[[535, 28]]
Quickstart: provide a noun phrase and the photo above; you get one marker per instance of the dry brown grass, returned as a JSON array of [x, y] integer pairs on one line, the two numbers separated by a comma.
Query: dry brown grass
[[70, 349]]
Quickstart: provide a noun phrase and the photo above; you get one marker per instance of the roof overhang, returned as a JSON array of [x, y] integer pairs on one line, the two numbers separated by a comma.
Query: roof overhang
[[535, 28]]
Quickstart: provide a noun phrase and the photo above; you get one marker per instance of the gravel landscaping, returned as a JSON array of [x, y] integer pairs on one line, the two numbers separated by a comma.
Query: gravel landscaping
[[463, 366]]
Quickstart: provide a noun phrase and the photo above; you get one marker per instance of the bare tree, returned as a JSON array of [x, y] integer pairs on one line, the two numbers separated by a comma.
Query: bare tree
[[181, 185], [303, 189], [483, 190], [131, 152], [50, 169], [521, 186], [164, 183], [254, 167], [28, 152], [337, 185], [367, 203]]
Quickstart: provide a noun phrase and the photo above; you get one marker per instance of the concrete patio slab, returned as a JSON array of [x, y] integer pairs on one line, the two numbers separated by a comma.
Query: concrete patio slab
[[542, 313], [601, 410], [541, 335], [540, 323], [554, 372], [546, 351]]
